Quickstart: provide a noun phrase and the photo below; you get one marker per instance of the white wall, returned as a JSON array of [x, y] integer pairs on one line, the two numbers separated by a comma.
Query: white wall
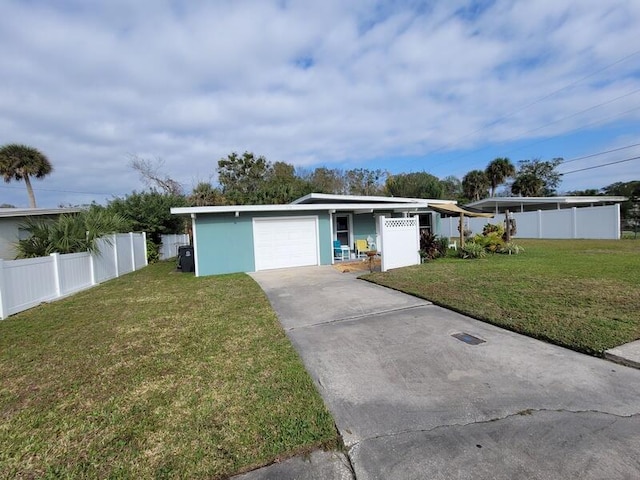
[[28, 282], [170, 244], [400, 239], [9, 236], [588, 222]]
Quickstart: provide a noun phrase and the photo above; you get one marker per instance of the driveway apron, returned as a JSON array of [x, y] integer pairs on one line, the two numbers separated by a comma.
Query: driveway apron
[[418, 391]]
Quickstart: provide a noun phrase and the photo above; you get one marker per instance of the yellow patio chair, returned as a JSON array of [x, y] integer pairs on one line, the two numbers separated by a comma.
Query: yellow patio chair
[[362, 247]]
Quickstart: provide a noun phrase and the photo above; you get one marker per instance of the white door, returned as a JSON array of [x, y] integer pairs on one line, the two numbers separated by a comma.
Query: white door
[[285, 242]]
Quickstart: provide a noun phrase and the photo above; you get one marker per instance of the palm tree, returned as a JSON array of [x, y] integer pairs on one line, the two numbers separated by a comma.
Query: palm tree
[[69, 233], [475, 185], [20, 162], [498, 171]]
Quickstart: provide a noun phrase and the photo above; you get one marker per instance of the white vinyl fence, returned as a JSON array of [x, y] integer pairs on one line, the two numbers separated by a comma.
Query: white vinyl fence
[[170, 244], [587, 222], [400, 242], [26, 283]]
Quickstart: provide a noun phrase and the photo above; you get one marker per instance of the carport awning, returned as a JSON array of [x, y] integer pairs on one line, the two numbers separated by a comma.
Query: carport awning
[[452, 209]]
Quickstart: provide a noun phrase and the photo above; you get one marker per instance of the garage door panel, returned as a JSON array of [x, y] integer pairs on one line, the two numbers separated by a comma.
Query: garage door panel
[[285, 242]]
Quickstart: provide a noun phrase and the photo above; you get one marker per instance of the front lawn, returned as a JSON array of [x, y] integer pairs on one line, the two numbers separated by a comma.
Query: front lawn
[[154, 375], [583, 294]]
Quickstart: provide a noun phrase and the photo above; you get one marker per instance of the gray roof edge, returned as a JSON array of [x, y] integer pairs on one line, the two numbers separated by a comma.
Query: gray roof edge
[[304, 207], [32, 212], [311, 198], [560, 199]]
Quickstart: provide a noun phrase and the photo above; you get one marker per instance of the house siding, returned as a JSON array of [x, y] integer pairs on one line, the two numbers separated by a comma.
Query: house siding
[[364, 225], [225, 242], [9, 228]]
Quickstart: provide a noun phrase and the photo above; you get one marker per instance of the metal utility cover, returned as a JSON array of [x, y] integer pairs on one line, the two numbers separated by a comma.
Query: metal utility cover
[[466, 338]]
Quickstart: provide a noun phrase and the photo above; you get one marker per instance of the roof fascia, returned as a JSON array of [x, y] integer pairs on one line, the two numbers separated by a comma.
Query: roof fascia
[[300, 208]]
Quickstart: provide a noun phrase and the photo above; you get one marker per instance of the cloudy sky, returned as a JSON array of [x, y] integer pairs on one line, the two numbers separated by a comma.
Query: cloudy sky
[[402, 85]]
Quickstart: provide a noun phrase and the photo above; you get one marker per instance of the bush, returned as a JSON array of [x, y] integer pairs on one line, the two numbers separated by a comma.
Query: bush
[[153, 251], [431, 246], [69, 233], [492, 242], [472, 250], [511, 248], [443, 245], [490, 228]]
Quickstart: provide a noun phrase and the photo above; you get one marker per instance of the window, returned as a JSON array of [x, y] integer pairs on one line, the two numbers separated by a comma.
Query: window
[[342, 229], [425, 220]]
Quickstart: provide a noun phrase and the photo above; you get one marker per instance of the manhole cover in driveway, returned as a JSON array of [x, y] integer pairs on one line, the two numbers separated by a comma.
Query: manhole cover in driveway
[[466, 338]]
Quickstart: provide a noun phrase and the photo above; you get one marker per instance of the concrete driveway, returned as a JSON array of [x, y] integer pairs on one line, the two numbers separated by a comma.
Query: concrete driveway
[[413, 401]]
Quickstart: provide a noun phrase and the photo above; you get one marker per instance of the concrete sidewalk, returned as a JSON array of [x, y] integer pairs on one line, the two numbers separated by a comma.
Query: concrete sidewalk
[[418, 391], [627, 354]]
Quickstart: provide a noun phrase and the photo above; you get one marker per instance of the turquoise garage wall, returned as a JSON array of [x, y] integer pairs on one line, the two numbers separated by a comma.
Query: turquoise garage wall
[[225, 242]]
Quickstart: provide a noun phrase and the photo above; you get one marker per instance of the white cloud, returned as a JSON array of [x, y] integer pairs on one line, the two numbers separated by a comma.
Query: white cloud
[[337, 83]]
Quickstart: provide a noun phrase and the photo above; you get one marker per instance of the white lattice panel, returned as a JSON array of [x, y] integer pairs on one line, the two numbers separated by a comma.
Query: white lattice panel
[[400, 223]]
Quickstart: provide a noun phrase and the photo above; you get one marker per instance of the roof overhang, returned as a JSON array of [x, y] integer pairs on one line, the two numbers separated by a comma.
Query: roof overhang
[[34, 212], [322, 198], [330, 207], [457, 210], [506, 202]]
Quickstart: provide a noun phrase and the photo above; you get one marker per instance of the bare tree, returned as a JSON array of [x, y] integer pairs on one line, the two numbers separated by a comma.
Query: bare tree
[[151, 174]]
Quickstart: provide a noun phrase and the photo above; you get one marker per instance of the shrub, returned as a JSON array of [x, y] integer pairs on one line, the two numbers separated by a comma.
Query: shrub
[[511, 248], [431, 246], [443, 245], [493, 228], [492, 242], [69, 233], [153, 251], [472, 250]]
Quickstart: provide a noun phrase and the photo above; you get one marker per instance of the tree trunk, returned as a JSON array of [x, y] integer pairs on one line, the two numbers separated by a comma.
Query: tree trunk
[[32, 198]]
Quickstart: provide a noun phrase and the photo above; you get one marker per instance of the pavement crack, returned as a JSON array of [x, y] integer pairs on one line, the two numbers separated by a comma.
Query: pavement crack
[[525, 412], [359, 316]]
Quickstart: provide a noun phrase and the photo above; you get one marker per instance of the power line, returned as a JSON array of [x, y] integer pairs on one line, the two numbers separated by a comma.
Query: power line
[[569, 116], [600, 166], [590, 124], [564, 162], [37, 189], [577, 113], [583, 127], [574, 83], [545, 97]]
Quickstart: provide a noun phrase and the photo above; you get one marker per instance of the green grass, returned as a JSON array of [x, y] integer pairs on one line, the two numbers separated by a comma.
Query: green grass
[[154, 375], [582, 294]]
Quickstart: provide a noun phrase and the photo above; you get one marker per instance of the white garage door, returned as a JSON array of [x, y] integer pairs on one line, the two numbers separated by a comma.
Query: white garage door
[[285, 242]]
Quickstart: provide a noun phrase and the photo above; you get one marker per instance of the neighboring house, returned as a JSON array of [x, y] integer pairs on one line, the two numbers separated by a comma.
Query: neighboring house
[[248, 238], [532, 204], [587, 217], [11, 220]]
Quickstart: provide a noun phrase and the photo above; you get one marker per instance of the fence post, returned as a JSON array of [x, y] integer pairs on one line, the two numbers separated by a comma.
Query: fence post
[[115, 252], [539, 223], [133, 252], [3, 303], [144, 242], [380, 247], [56, 273], [92, 268], [574, 222]]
